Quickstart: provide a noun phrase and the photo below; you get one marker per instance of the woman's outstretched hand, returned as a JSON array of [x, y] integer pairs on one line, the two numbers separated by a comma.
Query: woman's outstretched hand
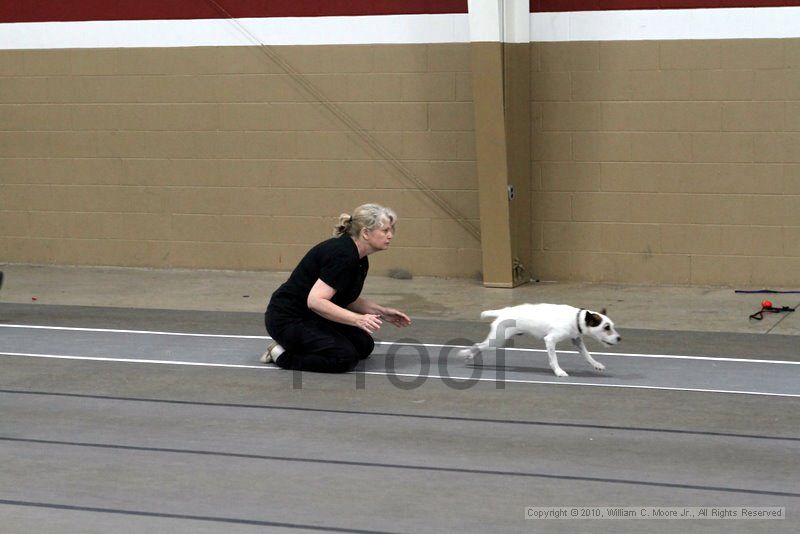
[[397, 318]]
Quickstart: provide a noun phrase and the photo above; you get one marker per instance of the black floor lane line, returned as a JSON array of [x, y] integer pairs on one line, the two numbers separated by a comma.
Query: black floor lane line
[[254, 522], [454, 470], [405, 415]]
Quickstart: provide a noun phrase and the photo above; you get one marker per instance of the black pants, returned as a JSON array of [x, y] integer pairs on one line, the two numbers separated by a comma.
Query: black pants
[[319, 345]]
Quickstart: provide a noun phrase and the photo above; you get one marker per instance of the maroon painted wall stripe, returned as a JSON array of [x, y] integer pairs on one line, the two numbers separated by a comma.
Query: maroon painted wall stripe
[[75, 10], [612, 5]]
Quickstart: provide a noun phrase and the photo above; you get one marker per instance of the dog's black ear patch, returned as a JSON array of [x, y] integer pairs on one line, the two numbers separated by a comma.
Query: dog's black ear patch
[[592, 319]]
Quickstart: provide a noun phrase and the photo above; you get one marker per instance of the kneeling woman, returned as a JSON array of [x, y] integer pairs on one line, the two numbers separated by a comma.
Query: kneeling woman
[[316, 318]]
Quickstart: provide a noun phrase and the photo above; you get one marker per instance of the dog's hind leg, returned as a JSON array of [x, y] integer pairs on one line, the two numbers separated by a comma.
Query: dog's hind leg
[[499, 332], [578, 342], [470, 352], [550, 343]]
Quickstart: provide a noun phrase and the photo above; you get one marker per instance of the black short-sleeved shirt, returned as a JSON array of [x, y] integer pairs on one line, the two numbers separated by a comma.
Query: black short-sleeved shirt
[[334, 261]]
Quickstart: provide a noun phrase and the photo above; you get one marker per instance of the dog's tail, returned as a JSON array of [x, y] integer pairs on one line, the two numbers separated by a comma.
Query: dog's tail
[[490, 313]]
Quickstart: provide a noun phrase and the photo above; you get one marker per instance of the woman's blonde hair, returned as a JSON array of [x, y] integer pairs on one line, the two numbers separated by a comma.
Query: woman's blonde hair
[[369, 216]]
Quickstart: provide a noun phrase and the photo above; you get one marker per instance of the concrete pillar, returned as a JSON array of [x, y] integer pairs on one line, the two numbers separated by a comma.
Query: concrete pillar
[[500, 41]]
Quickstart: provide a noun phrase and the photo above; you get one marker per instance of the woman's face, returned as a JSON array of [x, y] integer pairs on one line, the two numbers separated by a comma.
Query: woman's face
[[380, 238]]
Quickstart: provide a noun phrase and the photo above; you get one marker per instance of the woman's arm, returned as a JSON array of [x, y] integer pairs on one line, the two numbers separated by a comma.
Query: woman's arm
[[362, 305], [319, 301], [397, 318]]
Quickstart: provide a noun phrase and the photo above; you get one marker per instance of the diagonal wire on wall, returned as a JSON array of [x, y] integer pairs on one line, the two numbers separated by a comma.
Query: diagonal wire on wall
[[351, 124]]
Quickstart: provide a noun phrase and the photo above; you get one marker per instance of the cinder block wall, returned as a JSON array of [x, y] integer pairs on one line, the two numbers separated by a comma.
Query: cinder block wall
[[215, 158], [653, 161], [671, 162]]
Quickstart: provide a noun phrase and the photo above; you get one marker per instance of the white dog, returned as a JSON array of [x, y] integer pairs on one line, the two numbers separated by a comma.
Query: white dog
[[550, 322]]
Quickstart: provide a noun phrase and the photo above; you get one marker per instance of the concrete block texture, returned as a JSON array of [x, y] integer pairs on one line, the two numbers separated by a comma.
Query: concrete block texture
[[670, 162], [674, 162], [221, 157]]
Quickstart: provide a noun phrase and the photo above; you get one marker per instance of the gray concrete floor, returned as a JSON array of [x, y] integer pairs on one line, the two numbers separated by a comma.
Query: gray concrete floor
[[705, 309], [114, 439]]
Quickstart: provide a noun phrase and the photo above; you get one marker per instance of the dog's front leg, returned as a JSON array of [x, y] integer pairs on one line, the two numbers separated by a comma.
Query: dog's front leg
[[550, 343], [578, 342]]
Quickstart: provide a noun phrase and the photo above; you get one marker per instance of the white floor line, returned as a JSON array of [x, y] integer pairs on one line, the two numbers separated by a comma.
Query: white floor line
[[405, 375], [133, 360], [626, 354], [116, 331], [585, 384], [429, 345]]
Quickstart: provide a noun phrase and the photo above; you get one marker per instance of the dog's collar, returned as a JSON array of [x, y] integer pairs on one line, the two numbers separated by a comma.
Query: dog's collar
[[578, 320]]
